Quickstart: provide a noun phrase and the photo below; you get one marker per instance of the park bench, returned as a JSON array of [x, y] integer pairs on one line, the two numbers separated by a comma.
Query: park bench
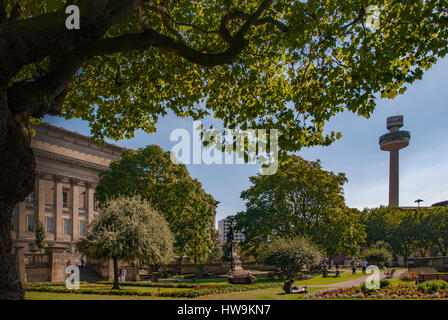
[[422, 277], [389, 274]]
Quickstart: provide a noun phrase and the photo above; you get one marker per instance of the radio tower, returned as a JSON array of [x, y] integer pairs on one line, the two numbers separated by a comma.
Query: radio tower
[[392, 142]]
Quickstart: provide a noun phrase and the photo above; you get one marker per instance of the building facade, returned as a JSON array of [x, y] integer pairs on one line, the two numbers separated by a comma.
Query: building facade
[[224, 228], [67, 166]]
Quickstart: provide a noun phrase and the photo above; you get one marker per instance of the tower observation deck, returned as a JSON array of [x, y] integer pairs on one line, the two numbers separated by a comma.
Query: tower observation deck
[[392, 142]]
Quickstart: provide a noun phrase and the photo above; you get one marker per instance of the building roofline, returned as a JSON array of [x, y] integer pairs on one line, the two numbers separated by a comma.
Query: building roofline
[[78, 135]]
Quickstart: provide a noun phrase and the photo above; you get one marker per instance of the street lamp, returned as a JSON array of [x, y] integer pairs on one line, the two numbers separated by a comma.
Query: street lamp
[[418, 202]]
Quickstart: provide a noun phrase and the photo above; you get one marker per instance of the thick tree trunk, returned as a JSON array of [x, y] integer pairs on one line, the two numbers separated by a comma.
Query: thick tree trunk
[[116, 283], [16, 182]]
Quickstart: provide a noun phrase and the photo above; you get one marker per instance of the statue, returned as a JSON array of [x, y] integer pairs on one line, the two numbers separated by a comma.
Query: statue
[[233, 257]]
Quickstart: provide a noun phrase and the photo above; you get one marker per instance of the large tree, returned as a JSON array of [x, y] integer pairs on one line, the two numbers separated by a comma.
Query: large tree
[[287, 65], [300, 198], [340, 231], [150, 173], [437, 224], [128, 229], [408, 231]]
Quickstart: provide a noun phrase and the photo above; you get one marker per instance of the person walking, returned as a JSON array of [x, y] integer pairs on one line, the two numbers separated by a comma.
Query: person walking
[[353, 268], [364, 266], [123, 274]]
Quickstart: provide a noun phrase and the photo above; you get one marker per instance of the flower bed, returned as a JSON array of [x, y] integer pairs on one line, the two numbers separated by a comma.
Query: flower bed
[[167, 284], [186, 292], [395, 291]]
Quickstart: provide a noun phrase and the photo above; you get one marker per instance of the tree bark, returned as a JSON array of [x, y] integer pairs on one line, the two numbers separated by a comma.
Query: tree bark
[[179, 264], [116, 283], [16, 182]]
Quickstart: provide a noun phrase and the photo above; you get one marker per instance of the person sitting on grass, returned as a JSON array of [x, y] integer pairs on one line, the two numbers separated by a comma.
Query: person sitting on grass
[[289, 288]]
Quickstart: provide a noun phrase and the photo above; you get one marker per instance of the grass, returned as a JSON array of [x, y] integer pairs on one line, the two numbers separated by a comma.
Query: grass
[[319, 280], [259, 294], [256, 292], [33, 295]]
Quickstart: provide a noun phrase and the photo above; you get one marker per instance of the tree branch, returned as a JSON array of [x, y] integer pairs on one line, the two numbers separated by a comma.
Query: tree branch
[[2, 10], [46, 93], [151, 38]]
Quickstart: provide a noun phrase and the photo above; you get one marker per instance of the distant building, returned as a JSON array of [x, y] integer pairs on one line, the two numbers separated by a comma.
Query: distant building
[[393, 142], [440, 204], [224, 228]]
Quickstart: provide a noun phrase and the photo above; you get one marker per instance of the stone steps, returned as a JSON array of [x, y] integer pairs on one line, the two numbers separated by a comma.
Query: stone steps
[[88, 275]]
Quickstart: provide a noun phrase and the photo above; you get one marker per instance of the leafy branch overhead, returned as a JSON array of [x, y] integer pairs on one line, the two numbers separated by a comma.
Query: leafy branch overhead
[[286, 65]]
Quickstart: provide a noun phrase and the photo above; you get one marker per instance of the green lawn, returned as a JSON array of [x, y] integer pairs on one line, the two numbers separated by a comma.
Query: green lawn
[[261, 294], [275, 293], [32, 295], [258, 294]]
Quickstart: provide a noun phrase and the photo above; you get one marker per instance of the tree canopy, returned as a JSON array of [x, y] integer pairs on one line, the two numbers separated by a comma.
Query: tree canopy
[[289, 65], [300, 199], [128, 229], [408, 231], [292, 253], [150, 173]]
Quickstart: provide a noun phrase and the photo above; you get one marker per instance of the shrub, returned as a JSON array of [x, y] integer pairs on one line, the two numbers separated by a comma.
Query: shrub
[[384, 283], [378, 256], [290, 254], [433, 286], [47, 284], [409, 276], [366, 290], [190, 292]]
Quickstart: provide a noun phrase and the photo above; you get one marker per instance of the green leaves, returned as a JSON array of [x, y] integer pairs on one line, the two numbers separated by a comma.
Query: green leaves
[[301, 198], [295, 82], [292, 253], [128, 229], [150, 173]]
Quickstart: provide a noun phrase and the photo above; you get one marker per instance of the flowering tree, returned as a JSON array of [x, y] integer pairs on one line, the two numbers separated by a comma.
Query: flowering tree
[[128, 229]]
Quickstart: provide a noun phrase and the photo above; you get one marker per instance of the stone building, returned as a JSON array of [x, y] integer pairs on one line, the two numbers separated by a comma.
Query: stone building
[[67, 165]]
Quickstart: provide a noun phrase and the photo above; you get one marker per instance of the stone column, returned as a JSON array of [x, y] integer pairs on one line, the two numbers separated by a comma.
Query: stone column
[[75, 209], [57, 262], [58, 207], [20, 261], [39, 196], [21, 220], [90, 191]]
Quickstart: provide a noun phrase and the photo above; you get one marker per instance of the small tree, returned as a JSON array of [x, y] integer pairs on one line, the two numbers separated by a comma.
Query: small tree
[[290, 254], [128, 229], [40, 235], [379, 254]]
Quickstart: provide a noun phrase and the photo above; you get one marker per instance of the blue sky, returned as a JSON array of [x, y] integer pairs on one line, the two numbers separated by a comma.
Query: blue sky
[[423, 164]]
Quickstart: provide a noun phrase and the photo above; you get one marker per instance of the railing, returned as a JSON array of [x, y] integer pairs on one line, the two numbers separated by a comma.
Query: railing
[[36, 258]]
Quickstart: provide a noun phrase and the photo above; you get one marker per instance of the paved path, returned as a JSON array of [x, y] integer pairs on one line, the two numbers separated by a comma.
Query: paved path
[[355, 282]]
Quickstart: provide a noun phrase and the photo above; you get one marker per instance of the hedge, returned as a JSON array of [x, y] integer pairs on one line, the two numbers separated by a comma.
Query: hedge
[[48, 284], [189, 293], [167, 284]]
